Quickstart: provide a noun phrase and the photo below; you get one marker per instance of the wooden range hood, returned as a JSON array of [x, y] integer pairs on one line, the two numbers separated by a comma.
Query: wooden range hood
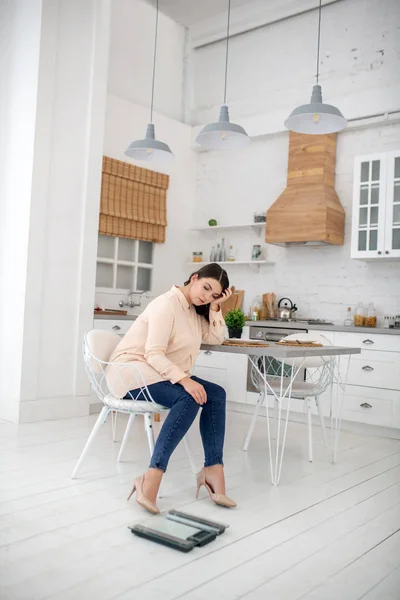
[[309, 210]]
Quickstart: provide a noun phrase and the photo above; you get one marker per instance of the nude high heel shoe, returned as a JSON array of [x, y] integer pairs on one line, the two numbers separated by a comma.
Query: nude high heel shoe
[[141, 498], [219, 499]]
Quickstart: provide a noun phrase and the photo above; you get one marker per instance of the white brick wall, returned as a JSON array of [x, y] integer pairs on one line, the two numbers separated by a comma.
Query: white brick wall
[[323, 281]]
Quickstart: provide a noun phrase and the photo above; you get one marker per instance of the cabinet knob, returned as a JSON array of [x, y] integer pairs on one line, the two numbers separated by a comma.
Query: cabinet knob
[[208, 352], [116, 328], [386, 251], [368, 341], [366, 405], [367, 368], [379, 252]]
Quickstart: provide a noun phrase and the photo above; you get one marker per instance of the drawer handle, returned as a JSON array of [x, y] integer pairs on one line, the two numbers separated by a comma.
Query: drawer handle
[[116, 327], [367, 368], [366, 405], [368, 342], [208, 352]]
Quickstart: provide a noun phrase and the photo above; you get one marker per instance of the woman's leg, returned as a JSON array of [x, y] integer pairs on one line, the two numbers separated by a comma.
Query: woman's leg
[[183, 411], [212, 429]]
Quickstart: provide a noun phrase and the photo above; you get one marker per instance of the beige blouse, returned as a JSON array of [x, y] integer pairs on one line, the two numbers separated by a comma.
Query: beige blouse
[[163, 342]]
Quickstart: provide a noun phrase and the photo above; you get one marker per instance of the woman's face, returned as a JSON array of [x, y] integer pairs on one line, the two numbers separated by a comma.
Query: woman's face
[[204, 290]]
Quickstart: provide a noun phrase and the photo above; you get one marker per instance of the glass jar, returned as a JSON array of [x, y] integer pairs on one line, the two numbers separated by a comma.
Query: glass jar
[[370, 320], [348, 322], [256, 253], [197, 257], [256, 307], [359, 315]]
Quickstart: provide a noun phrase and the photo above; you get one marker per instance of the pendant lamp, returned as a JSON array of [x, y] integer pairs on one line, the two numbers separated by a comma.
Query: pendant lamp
[[316, 117], [223, 135], [150, 149]]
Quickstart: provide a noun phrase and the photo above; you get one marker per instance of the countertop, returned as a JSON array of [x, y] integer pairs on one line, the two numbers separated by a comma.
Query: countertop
[[322, 327]]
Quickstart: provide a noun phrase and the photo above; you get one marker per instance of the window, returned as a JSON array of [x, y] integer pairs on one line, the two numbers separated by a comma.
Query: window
[[123, 264]]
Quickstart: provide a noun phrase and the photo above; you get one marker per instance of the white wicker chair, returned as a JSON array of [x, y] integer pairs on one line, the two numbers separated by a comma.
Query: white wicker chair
[[98, 345], [319, 376]]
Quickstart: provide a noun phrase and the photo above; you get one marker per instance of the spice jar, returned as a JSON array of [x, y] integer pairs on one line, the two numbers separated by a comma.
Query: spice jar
[[370, 320], [197, 257], [359, 315]]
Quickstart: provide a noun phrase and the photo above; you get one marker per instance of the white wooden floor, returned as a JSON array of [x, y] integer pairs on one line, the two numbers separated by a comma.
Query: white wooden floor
[[327, 532]]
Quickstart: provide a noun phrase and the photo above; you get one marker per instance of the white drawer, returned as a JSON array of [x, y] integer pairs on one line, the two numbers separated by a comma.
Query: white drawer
[[374, 369], [378, 406], [119, 326], [369, 341], [208, 358]]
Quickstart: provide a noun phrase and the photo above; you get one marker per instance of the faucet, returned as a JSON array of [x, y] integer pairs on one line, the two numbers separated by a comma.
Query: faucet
[[131, 302]]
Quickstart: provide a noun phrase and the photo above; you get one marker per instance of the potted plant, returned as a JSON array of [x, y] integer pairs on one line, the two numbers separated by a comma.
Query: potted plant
[[235, 320]]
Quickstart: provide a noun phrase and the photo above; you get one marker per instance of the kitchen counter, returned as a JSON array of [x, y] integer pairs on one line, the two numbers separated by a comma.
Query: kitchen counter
[[116, 317], [322, 327]]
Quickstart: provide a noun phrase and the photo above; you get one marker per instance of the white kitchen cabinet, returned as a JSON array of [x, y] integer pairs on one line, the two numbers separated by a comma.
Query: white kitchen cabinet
[[376, 207], [228, 370], [373, 387]]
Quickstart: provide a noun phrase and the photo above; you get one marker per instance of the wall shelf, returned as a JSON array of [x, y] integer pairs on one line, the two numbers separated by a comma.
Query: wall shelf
[[229, 263], [256, 227]]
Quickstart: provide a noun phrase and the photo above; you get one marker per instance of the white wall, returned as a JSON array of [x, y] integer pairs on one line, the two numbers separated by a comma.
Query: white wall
[[131, 58], [126, 121], [55, 220], [272, 69], [19, 66], [323, 281]]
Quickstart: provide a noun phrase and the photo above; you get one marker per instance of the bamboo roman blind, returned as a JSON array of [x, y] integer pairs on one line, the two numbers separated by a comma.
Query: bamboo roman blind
[[133, 202]]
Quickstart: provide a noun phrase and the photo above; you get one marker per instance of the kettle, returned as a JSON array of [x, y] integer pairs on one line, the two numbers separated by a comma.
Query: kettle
[[286, 312]]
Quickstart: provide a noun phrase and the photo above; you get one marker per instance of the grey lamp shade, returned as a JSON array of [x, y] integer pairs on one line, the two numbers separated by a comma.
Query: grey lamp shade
[[316, 118], [149, 149], [222, 135]]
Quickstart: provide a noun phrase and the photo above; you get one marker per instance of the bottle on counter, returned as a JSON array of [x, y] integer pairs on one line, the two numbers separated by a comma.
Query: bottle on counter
[[255, 309], [359, 315], [370, 320], [348, 322]]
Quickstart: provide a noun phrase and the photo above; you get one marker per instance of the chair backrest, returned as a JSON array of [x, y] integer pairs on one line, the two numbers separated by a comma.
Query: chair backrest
[[318, 369], [110, 378]]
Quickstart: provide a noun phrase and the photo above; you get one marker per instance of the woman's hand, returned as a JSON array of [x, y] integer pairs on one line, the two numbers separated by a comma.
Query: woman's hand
[[196, 390], [216, 304]]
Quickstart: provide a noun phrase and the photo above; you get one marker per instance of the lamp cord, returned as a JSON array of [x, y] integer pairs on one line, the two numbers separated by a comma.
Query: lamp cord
[[319, 37], [154, 67], [227, 49]]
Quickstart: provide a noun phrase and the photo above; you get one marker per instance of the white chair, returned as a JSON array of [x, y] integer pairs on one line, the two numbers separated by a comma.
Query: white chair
[[98, 346], [319, 375]]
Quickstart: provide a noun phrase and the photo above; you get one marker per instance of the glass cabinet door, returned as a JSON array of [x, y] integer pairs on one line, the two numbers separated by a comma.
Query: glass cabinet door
[[368, 230], [392, 231]]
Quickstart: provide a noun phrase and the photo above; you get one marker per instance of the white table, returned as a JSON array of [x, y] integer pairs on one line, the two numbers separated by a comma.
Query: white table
[[291, 355]]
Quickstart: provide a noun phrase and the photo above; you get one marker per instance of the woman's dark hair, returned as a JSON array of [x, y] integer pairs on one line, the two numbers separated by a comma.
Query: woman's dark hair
[[212, 271]]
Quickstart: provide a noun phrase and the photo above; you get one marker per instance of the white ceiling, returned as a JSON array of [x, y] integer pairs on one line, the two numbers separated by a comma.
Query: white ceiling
[[190, 12]]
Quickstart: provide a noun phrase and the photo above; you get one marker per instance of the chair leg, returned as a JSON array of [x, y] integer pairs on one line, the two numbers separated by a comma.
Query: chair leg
[[309, 422], [148, 425], [101, 419], [260, 400], [190, 454], [126, 436], [322, 421], [114, 417]]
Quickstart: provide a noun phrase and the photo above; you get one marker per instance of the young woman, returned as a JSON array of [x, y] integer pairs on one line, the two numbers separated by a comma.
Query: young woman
[[164, 342]]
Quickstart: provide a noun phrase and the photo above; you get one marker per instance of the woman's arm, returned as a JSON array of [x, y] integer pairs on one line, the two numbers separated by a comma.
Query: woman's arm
[[160, 324], [213, 332]]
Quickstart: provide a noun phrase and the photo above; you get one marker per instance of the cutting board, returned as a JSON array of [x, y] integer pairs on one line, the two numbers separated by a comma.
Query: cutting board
[[234, 302], [110, 312]]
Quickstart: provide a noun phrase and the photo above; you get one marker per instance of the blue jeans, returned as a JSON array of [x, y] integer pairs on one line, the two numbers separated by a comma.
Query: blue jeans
[[183, 411]]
